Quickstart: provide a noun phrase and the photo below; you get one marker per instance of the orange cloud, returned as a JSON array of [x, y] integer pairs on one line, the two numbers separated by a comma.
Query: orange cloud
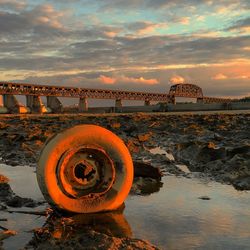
[[46, 14], [110, 34], [107, 80], [125, 79], [146, 28], [139, 80], [219, 76], [176, 79], [184, 20]]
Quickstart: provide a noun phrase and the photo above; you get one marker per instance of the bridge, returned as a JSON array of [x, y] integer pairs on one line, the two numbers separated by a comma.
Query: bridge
[[194, 91], [34, 92]]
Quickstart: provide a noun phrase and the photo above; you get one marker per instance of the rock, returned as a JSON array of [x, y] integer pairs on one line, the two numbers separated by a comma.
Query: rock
[[209, 153], [144, 137], [206, 198], [5, 191], [115, 125], [142, 169], [95, 240], [2, 207], [214, 144], [242, 183], [18, 201], [239, 150]]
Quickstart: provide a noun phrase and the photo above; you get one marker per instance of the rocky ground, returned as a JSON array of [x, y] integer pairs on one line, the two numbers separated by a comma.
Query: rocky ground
[[215, 145]]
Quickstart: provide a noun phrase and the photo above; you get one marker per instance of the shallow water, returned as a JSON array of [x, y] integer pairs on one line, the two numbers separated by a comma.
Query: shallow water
[[173, 218]]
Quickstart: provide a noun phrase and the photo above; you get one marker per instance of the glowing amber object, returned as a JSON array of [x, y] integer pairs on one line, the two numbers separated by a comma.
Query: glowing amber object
[[85, 169]]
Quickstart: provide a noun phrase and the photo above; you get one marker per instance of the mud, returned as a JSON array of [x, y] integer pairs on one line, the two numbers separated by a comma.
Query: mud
[[217, 146], [74, 232]]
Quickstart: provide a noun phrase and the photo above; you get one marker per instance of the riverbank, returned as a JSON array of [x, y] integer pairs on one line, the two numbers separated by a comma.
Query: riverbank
[[205, 145], [214, 144]]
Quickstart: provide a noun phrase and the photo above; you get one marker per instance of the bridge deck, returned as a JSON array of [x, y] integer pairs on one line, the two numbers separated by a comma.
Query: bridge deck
[[187, 90], [60, 91]]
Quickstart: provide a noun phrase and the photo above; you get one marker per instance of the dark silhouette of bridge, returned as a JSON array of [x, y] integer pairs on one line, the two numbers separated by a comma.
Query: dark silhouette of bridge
[[34, 92]]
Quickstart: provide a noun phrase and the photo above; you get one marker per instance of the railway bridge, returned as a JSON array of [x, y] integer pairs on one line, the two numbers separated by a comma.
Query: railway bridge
[[34, 104]]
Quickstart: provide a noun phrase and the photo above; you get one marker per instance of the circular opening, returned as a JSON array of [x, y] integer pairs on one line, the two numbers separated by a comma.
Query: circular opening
[[82, 171]]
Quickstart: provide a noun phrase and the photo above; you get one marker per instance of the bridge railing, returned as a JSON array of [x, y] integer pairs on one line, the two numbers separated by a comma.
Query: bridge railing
[[43, 90]]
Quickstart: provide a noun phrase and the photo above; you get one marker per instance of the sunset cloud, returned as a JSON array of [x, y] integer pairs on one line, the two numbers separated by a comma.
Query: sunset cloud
[[99, 44], [146, 27], [184, 20], [176, 79], [241, 26], [140, 80], [126, 79], [232, 75], [219, 76], [107, 80]]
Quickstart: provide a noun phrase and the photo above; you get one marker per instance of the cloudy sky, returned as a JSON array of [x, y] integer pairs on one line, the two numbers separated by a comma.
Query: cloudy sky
[[144, 45]]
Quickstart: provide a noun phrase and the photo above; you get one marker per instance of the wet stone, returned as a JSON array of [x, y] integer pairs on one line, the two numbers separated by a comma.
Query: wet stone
[[205, 198], [5, 191], [242, 183], [18, 201], [142, 169]]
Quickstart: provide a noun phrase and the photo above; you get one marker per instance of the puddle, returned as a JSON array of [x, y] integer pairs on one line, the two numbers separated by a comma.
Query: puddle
[[23, 182], [161, 151], [173, 218]]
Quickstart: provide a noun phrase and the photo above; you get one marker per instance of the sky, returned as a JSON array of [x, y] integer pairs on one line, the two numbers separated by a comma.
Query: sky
[[141, 45]]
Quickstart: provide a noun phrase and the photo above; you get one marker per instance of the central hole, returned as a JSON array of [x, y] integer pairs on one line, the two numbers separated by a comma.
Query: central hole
[[80, 170], [84, 172]]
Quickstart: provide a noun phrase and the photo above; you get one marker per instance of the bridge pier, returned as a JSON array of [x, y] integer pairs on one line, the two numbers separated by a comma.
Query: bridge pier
[[13, 106], [83, 104], [3, 109], [34, 103], [54, 104], [200, 100], [172, 99], [147, 103], [118, 105]]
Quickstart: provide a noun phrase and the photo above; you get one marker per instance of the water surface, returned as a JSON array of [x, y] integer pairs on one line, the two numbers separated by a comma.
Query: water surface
[[173, 218]]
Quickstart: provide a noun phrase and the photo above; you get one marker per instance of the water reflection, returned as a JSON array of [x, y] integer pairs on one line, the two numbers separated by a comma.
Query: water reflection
[[147, 179], [145, 186], [62, 228], [173, 217]]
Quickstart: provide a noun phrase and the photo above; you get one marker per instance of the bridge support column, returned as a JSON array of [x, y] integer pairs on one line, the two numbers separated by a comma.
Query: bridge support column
[[118, 105], [147, 103], [35, 104], [83, 104], [3, 109], [54, 104], [172, 99], [200, 100], [13, 106]]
